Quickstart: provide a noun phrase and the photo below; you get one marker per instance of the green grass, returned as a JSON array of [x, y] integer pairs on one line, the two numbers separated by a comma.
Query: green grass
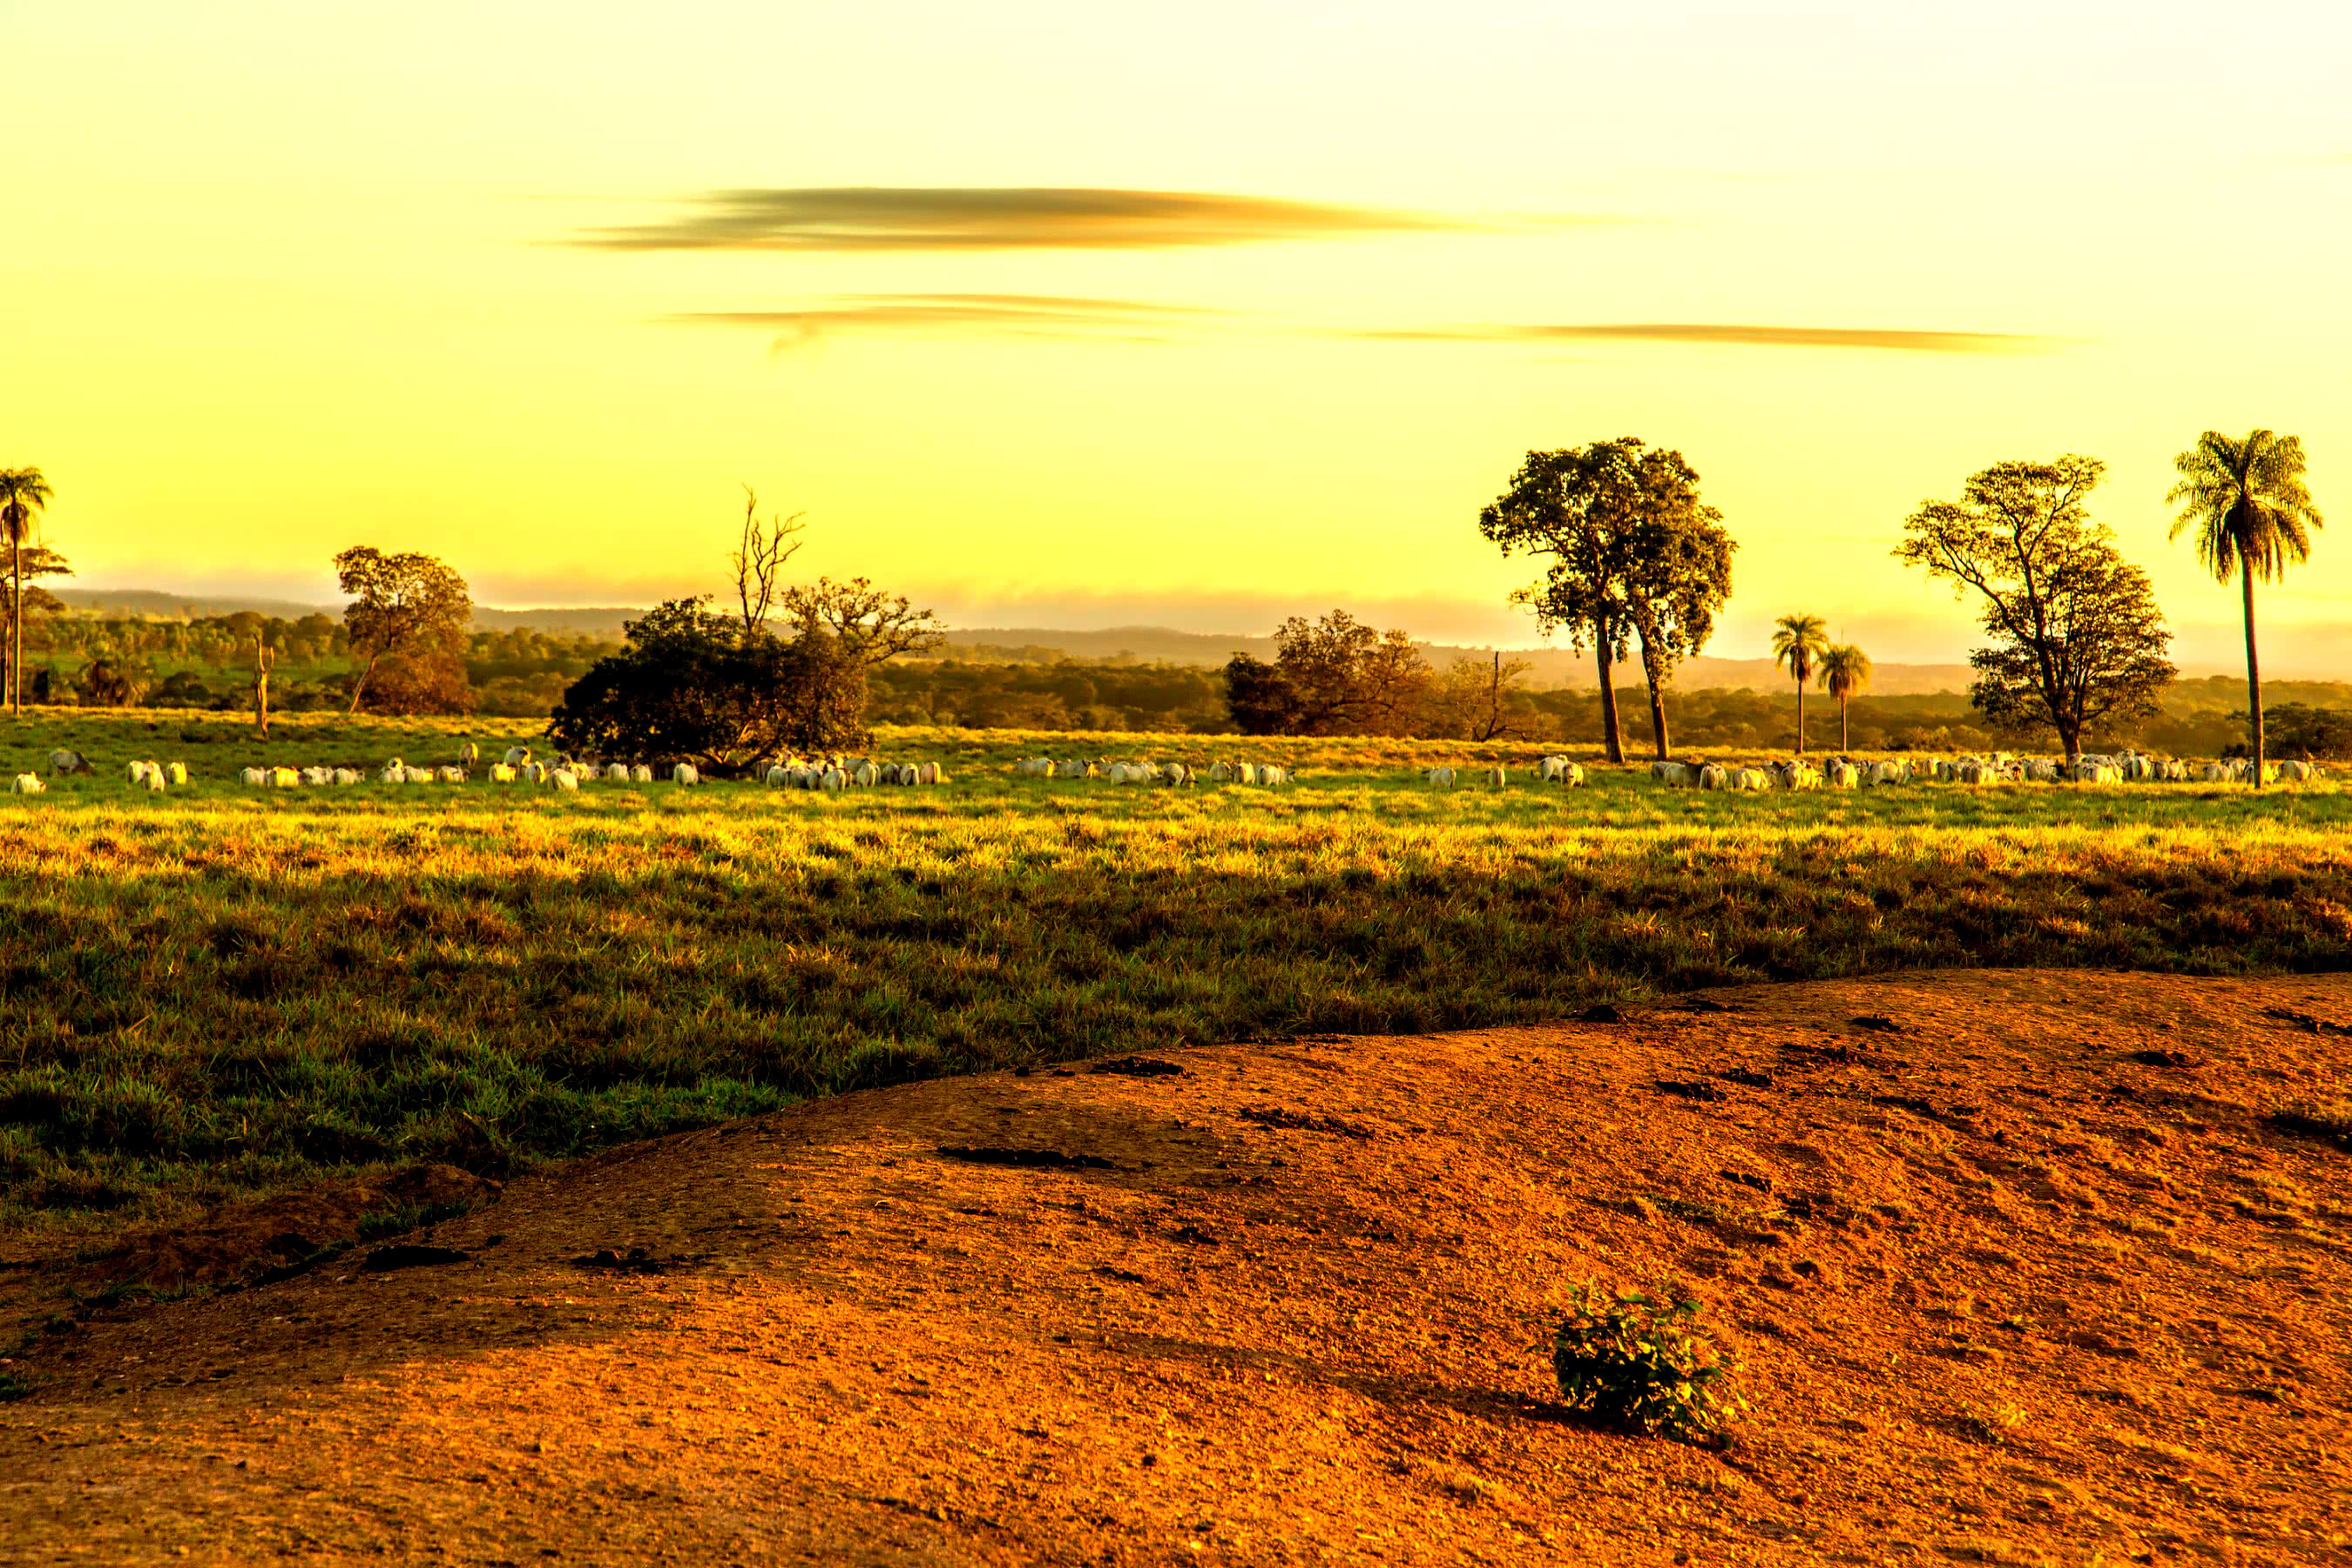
[[225, 991]]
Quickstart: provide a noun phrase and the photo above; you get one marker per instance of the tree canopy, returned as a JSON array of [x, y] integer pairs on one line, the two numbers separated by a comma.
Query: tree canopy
[[1336, 676], [1634, 553], [2077, 635], [409, 604]]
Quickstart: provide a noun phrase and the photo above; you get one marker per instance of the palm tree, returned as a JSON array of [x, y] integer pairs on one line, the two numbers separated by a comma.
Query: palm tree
[[23, 492], [2254, 516], [1844, 670], [1798, 646]]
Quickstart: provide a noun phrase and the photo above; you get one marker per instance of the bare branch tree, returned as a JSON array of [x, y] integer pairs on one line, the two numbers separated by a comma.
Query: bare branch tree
[[760, 556]]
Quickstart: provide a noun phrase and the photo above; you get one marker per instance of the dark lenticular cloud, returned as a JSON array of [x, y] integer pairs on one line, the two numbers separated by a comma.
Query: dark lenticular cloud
[[1724, 332], [1046, 314], [1015, 217]]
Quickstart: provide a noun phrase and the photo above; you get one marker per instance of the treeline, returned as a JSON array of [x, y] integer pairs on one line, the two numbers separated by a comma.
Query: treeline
[[207, 663]]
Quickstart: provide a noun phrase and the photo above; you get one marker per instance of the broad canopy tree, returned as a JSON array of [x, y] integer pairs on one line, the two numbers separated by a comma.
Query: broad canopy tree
[[718, 691], [1635, 557], [407, 605], [2077, 635], [1336, 676]]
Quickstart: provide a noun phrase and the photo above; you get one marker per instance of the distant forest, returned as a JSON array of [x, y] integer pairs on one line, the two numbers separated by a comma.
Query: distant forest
[[521, 674]]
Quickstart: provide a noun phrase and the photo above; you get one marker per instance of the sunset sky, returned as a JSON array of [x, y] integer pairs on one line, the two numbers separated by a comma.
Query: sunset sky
[[1080, 314]]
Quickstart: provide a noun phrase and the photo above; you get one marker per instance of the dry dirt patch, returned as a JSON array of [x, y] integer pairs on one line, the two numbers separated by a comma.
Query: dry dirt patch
[[2017, 1268]]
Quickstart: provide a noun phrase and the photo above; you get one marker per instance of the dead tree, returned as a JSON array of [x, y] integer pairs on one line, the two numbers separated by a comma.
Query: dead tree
[[264, 660]]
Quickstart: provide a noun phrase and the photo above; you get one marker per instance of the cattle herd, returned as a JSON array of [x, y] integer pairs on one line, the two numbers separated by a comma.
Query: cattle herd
[[1847, 773], [841, 772], [517, 766]]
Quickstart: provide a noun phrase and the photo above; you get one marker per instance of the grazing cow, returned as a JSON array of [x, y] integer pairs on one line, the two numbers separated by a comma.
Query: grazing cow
[[2297, 773], [27, 783], [1713, 777], [1441, 777], [1751, 779], [685, 773], [177, 772], [468, 753], [562, 778], [254, 777], [1675, 775], [1573, 775], [347, 775], [1497, 775], [516, 755], [1839, 773], [63, 761]]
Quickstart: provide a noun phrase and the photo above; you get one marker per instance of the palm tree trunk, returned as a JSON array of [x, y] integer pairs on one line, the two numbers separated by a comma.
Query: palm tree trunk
[[15, 626], [1616, 748], [1800, 715], [2253, 668], [1843, 745]]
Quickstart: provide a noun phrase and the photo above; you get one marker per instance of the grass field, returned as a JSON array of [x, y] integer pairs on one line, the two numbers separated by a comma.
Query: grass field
[[223, 990]]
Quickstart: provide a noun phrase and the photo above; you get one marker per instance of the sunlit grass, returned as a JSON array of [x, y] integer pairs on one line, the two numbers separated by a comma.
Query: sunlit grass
[[227, 989]]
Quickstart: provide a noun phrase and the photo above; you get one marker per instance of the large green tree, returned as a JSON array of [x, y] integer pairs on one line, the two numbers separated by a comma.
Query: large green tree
[[2077, 637], [2251, 514], [407, 604], [1635, 555], [1798, 644], [23, 493]]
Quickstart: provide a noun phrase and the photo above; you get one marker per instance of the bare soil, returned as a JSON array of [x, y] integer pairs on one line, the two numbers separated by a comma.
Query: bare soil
[[2017, 1270]]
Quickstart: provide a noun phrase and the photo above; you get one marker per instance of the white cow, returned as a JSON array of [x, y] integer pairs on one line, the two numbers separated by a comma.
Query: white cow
[[563, 778], [27, 783], [685, 773]]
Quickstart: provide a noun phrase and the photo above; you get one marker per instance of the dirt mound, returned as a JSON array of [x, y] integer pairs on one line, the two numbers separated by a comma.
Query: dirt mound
[[2019, 1266]]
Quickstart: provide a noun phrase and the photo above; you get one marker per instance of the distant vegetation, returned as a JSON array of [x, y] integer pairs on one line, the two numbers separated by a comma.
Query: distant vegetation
[[521, 675]]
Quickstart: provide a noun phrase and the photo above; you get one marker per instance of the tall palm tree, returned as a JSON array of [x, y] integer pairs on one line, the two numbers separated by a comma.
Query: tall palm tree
[[1798, 644], [23, 493], [2254, 516], [1844, 670]]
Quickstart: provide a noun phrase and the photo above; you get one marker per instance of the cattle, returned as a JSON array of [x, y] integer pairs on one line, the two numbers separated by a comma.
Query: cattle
[[63, 761], [1839, 773], [562, 778], [1753, 779], [516, 755], [1441, 778], [2297, 773], [685, 773], [1674, 775], [1712, 776], [27, 783]]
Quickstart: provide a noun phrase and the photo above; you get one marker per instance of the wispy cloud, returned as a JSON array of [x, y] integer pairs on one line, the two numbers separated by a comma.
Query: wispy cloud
[[1046, 315], [1005, 217], [1908, 341]]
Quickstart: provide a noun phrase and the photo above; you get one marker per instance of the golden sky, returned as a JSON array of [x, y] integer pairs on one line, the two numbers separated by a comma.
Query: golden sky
[[1082, 314]]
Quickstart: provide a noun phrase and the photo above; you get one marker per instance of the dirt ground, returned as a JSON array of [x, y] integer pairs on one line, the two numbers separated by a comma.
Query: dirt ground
[[2016, 1271]]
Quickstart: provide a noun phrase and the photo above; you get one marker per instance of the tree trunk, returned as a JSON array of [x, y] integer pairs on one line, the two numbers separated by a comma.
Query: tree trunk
[[360, 685], [15, 626], [2071, 741], [1800, 715], [1616, 748], [1844, 744], [1657, 702], [2253, 668]]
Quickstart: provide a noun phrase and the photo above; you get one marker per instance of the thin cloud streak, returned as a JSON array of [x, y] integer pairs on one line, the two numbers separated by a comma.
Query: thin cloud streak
[[1009, 217], [1035, 315], [1746, 335]]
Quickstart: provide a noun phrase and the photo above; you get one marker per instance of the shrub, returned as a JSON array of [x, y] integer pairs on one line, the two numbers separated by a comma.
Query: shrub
[[1636, 1361]]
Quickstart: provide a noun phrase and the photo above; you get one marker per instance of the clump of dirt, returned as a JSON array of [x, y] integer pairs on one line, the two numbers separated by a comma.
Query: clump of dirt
[[274, 1238], [2011, 1299]]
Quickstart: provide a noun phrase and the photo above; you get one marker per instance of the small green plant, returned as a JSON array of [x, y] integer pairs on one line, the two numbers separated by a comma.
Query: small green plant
[[1637, 1361]]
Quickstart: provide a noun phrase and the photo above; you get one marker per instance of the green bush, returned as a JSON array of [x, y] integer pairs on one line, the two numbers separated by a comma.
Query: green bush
[[1636, 1361]]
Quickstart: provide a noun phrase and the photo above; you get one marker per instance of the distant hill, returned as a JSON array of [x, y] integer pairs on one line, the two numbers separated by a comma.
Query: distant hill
[[596, 620]]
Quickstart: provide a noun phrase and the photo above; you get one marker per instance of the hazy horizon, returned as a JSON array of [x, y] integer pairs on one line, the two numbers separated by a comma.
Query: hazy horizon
[[1093, 319]]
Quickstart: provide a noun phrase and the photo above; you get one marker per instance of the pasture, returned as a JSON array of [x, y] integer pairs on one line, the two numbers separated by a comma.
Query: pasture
[[221, 991]]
